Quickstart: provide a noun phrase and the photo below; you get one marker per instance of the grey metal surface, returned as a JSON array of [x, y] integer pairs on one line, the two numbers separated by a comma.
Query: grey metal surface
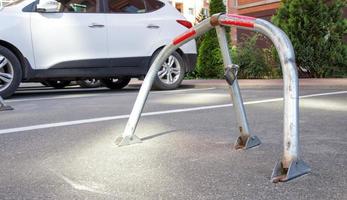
[[290, 77], [234, 89], [247, 142], [296, 168], [170, 71], [128, 141], [152, 73], [291, 89]]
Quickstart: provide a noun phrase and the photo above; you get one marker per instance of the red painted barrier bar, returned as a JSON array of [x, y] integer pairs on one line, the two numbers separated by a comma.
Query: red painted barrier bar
[[238, 20], [190, 33]]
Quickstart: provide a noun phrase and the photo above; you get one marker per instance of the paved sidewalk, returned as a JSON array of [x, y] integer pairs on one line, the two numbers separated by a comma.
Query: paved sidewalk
[[246, 83], [338, 83]]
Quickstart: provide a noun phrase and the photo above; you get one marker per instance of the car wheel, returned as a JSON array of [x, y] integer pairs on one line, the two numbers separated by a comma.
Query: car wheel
[[10, 72], [58, 84], [171, 73], [90, 83], [116, 83]]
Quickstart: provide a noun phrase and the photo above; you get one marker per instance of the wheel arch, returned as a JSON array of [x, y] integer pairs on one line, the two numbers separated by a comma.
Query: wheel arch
[[18, 54], [179, 51]]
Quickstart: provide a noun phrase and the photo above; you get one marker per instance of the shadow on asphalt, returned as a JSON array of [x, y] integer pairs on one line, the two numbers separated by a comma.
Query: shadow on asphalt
[[157, 135]]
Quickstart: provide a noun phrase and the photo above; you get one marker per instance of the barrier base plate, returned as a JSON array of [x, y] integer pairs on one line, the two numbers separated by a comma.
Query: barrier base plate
[[296, 168], [247, 142], [125, 141], [5, 108]]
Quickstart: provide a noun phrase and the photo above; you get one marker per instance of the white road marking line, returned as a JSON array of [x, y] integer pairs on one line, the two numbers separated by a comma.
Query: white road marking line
[[323, 94], [102, 119], [72, 96]]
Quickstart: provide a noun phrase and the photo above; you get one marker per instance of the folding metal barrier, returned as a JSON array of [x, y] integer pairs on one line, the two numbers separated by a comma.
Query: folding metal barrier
[[290, 166]]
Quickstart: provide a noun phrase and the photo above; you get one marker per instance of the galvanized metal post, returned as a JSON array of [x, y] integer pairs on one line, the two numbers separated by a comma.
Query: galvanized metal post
[[290, 165], [245, 141]]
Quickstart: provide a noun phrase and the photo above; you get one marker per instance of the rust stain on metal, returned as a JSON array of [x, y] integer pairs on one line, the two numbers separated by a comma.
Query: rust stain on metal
[[288, 145], [283, 176], [241, 142], [215, 20], [279, 178]]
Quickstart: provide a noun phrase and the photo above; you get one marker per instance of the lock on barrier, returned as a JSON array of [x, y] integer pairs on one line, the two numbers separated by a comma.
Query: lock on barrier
[[290, 165]]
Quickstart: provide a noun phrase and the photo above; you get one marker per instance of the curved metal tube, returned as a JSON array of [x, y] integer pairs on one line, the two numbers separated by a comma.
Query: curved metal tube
[[128, 134], [291, 165], [291, 88]]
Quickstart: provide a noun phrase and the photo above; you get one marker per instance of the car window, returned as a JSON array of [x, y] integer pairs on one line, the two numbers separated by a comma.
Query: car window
[[79, 6], [126, 6], [153, 5]]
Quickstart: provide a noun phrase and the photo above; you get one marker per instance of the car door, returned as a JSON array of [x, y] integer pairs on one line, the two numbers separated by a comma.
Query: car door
[[73, 38], [132, 32]]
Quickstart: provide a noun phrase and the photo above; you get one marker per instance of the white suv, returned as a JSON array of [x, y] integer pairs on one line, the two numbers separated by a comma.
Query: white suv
[[113, 40]]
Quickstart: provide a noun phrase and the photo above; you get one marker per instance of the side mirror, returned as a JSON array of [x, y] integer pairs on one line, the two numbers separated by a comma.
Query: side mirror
[[48, 6]]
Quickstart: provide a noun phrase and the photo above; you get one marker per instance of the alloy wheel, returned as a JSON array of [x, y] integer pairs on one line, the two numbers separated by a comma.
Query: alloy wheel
[[170, 71], [6, 73]]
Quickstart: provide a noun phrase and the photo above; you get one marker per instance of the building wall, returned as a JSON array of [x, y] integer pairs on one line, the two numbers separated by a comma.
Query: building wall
[[264, 9], [254, 8], [4, 2], [191, 8]]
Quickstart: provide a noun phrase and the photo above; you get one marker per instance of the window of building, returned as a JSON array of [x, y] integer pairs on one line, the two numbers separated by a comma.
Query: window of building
[[179, 7], [191, 11], [206, 12], [126, 6]]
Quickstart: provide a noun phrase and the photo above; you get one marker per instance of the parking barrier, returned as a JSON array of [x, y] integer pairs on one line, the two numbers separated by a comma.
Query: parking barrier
[[3, 106], [290, 166]]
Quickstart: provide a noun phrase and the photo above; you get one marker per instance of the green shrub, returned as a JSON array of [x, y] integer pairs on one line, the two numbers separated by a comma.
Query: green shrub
[[194, 74], [210, 62], [255, 62], [202, 16], [316, 29]]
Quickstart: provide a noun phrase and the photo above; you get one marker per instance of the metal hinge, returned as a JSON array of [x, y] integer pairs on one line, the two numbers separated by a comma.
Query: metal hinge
[[231, 73]]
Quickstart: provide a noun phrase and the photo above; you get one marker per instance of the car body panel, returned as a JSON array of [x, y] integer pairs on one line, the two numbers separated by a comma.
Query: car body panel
[[63, 44], [67, 37], [15, 30]]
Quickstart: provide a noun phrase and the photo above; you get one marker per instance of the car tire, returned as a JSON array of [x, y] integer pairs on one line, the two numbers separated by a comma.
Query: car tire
[[116, 83], [171, 74], [90, 83], [58, 84], [10, 72], [45, 83]]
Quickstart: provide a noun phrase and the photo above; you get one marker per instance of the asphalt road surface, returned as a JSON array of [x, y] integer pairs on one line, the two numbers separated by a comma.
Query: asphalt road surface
[[59, 144]]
